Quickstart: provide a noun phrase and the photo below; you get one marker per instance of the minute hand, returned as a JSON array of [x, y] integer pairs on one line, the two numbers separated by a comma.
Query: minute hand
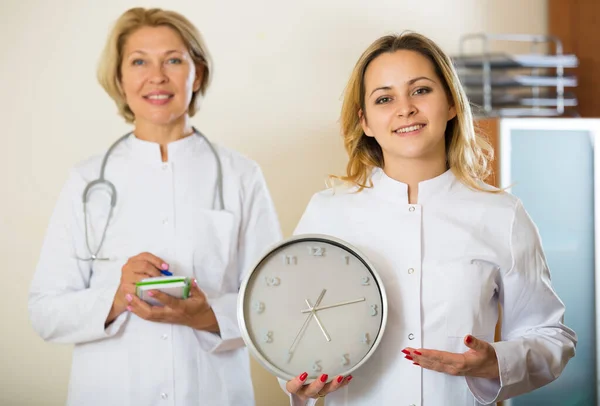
[[362, 299]]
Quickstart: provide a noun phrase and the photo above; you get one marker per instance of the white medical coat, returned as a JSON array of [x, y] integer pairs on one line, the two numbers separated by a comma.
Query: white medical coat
[[169, 209], [446, 263]]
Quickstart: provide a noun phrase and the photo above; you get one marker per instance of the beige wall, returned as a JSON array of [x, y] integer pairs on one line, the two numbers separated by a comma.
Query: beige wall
[[280, 70]]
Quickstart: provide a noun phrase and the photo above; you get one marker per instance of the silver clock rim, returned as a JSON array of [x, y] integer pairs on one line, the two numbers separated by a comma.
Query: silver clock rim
[[302, 237]]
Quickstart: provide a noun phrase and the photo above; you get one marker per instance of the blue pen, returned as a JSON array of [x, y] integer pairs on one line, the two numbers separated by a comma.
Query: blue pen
[[166, 273]]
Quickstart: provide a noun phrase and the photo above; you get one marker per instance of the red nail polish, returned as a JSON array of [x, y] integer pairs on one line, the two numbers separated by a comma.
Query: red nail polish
[[340, 379], [349, 378], [303, 376], [469, 339], [406, 352], [324, 377], [408, 357], [418, 353], [417, 364]]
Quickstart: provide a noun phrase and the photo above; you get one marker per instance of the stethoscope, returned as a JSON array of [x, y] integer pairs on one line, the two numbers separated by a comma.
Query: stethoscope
[[113, 193]]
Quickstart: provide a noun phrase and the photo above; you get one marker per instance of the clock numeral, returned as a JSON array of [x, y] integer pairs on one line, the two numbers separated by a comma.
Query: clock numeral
[[272, 280], [316, 251], [365, 281], [258, 307], [347, 259], [268, 337], [366, 339], [373, 310], [290, 260], [317, 366], [345, 359]]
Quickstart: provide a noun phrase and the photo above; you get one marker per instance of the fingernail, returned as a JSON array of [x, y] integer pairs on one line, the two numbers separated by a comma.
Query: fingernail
[[324, 377], [165, 266], [408, 357], [303, 376], [340, 379], [406, 352], [349, 378], [469, 339], [194, 282], [128, 297], [129, 308], [417, 352], [150, 293], [417, 364]]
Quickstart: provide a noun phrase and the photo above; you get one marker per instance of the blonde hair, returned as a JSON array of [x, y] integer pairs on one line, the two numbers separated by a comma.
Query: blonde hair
[[468, 153], [109, 68]]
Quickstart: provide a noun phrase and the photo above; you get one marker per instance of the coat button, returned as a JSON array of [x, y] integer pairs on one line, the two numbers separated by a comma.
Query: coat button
[[410, 271], [165, 166], [411, 336], [164, 395], [164, 336], [411, 208]]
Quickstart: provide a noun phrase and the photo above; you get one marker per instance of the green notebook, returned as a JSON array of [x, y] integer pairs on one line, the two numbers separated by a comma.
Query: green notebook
[[176, 286]]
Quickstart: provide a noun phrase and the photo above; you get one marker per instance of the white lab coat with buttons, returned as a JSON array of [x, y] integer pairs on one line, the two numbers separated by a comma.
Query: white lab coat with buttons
[[446, 263], [171, 210]]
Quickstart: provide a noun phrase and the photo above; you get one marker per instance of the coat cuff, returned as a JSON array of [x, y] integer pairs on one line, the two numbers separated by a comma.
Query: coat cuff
[[228, 338], [489, 391]]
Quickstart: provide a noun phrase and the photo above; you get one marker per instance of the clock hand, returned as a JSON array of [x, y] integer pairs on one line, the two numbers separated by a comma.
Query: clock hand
[[317, 308], [318, 321], [290, 351]]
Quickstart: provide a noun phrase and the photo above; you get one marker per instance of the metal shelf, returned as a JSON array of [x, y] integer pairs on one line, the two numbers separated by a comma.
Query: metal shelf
[[504, 84]]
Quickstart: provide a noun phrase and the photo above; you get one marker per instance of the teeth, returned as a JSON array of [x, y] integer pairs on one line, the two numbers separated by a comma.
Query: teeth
[[158, 96], [409, 129]]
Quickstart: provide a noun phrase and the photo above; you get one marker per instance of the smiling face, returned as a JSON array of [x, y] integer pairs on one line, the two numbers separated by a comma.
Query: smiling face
[[158, 76], [406, 107]]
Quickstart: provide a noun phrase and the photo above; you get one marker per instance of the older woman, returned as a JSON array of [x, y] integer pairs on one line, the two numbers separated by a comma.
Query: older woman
[[168, 201]]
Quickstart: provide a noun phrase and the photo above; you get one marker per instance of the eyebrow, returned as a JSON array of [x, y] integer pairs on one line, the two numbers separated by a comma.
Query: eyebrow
[[171, 51], [410, 82]]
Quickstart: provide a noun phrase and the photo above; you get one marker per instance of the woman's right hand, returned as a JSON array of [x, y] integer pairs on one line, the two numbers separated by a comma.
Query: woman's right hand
[[317, 388], [141, 266]]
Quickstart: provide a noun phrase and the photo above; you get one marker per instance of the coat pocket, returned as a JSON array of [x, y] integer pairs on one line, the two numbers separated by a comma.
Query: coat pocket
[[471, 287], [214, 242]]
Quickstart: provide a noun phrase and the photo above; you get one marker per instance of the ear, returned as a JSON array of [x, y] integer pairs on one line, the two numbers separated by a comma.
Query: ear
[[451, 112], [363, 123], [198, 78]]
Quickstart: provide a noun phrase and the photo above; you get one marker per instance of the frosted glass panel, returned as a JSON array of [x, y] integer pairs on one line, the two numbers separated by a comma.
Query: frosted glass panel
[[553, 174]]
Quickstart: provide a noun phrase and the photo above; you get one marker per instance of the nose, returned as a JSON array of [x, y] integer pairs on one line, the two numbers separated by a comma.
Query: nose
[[157, 74], [406, 108]]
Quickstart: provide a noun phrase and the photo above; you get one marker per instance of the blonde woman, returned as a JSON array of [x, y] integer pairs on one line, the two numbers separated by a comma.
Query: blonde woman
[[162, 200], [449, 248]]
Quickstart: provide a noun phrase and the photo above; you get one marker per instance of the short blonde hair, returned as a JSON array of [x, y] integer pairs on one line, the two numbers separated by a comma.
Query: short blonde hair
[[468, 153], [109, 68]]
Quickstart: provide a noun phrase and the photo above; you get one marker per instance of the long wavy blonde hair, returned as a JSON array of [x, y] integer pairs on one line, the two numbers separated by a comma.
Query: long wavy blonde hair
[[468, 152]]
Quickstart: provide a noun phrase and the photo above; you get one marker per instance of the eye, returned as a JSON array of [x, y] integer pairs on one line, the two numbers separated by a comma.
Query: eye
[[422, 90], [175, 61], [383, 99], [137, 62]]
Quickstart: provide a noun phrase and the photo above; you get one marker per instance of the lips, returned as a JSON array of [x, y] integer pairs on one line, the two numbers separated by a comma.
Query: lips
[[158, 96], [408, 129]]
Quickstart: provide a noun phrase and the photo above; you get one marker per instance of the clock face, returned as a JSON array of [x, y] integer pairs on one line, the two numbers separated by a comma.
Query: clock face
[[312, 304]]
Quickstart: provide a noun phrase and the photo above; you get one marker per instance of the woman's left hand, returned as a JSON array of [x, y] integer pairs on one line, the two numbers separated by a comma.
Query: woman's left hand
[[194, 311], [479, 361]]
